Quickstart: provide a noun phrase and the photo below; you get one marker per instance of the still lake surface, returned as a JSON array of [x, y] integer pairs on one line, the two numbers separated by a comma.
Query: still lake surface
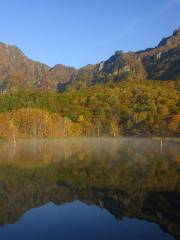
[[104, 189]]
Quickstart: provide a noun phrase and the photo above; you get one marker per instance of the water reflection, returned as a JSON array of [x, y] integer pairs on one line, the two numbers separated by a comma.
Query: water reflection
[[79, 221], [126, 177]]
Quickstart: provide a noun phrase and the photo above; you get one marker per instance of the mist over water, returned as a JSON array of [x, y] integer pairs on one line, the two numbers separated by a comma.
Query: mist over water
[[103, 188], [34, 152]]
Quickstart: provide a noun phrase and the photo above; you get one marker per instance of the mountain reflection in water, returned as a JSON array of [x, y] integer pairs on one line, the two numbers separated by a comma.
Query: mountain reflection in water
[[115, 186]]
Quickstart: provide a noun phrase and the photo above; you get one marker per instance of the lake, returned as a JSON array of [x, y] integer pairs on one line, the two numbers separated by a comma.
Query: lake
[[104, 189]]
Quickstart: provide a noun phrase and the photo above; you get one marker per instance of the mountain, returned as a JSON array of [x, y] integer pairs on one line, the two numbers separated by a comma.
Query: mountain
[[16, 70], [159, 63], [59, 76], [163, 62]]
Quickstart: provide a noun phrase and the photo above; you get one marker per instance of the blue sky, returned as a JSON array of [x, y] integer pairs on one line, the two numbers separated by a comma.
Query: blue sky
[[79, 32]]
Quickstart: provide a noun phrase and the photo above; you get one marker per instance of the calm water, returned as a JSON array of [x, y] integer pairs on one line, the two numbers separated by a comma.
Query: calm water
[[90, 189]]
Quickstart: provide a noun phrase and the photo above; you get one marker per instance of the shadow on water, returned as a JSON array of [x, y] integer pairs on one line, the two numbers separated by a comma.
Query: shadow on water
[[108, 185]]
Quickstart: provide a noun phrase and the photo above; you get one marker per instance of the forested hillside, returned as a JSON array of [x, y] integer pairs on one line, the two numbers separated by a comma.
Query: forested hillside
[[134, 93], [122, 109]]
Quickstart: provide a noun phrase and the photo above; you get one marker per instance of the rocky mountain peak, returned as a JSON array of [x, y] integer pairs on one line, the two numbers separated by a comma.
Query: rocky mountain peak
[[159, 63], [172, 40], [176, 32]]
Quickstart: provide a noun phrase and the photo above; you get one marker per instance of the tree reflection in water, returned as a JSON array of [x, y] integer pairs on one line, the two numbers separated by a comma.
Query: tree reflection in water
[[128, 177]]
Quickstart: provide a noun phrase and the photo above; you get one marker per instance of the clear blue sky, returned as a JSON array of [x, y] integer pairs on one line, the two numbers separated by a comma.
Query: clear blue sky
[[78, 32]]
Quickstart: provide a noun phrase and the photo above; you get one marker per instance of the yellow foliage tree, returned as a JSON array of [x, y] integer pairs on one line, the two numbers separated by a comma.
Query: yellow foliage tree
[[7, 128]]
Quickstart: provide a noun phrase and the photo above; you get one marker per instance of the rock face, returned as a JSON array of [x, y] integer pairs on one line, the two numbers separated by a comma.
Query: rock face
[[159, 63], [121, 66], [60, 76], [16, 70], [163, 62]]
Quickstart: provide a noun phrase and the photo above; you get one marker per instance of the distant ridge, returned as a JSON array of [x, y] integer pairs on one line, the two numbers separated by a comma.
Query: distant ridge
[[159, 63]]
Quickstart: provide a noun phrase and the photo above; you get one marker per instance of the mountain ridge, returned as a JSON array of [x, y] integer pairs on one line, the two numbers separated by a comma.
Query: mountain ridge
[[159, 63]]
